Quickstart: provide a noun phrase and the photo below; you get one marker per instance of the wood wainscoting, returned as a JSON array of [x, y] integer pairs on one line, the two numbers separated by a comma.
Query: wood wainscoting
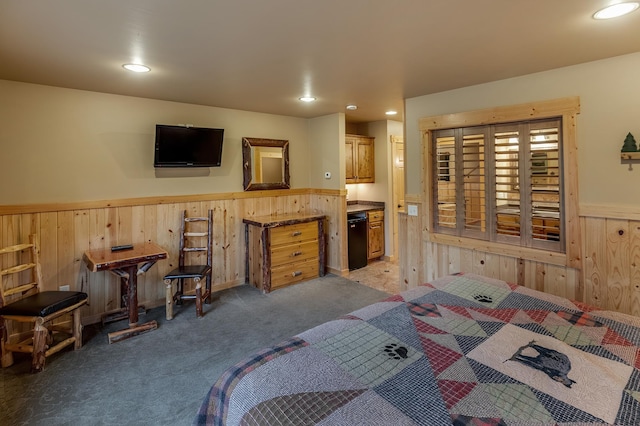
[[609, 278], [65, 231]]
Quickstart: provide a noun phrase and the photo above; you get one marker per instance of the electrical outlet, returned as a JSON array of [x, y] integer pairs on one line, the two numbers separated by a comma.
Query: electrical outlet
[[64, 288], [412, 210]]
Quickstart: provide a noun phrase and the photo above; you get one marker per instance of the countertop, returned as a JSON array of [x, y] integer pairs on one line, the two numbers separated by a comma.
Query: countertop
[[363, 206], [275, 220]]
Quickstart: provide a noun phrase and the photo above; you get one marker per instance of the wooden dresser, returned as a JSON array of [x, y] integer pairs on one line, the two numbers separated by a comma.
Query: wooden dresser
[[284, 249]]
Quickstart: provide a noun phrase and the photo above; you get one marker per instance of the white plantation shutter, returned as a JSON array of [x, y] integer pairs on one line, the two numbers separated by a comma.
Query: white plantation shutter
[[545, 184], [500, 183], [506, 151], [445, 182], [474, 182]]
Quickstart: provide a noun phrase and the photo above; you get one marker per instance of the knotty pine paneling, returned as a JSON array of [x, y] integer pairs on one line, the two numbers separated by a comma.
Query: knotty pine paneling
[[65, 232], [612, 259], [335, 227], [609, 278]]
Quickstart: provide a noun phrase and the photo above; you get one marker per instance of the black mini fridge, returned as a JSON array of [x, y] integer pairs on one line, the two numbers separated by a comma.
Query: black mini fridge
[[357, 241]]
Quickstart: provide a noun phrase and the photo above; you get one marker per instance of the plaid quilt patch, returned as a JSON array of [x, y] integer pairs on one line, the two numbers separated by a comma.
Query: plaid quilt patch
[[465, 351]]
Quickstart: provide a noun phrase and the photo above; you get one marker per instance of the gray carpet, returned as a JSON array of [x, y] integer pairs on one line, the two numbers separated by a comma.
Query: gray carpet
[[161, 377]]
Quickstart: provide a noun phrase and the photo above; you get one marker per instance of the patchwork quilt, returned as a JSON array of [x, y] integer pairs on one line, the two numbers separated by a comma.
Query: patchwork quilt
[[461, 350]]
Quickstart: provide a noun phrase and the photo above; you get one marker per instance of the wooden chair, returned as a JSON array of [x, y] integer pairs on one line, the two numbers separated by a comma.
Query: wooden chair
[[22, 301], [191, 241]]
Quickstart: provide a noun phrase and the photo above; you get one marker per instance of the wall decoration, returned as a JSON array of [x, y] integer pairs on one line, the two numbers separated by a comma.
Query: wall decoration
[[630, 153], [629, 144]]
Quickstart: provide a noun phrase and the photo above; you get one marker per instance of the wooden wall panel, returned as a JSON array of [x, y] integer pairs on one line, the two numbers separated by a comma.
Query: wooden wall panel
[[453, 254], [619, 267], [415, 264], [609, 278], [64, 233], [402, 251], [442, 259], [595, 268], [634, 273], [335, 229], [148, 222], [48, 246], [96, 282]]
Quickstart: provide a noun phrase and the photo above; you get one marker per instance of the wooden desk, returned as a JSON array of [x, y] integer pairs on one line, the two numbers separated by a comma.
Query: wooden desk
[[124, 264]]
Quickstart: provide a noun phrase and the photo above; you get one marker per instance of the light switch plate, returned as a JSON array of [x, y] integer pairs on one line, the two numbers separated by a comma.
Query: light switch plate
[[412, 210]]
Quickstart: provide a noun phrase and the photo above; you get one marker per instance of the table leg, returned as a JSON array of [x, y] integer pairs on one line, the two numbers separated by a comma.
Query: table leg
[[246, 253], [132, 295], [134, 329]]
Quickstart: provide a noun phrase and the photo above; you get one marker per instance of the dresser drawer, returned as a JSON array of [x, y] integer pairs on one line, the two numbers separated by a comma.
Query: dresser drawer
[[294, 272], [283, 255], [375, 215], [293, 234]]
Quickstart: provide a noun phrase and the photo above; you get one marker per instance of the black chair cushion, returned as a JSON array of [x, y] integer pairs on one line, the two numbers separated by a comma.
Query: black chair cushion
[[43, 303], [189, 271]]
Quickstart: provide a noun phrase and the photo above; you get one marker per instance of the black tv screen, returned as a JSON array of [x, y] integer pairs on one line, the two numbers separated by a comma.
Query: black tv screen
[[180, 146]]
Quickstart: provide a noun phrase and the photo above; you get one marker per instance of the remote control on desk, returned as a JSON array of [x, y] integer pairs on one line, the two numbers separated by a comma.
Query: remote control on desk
[[122, 247]]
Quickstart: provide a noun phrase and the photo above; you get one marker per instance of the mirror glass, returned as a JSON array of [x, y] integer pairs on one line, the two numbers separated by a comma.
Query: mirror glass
[[265, 163]]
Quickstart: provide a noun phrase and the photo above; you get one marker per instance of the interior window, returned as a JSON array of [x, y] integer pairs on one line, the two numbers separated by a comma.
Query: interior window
[[500, 183]]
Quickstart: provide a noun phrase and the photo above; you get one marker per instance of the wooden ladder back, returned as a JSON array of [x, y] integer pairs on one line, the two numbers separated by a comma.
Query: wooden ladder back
[[186, 234], [196, 271], [20, 266]]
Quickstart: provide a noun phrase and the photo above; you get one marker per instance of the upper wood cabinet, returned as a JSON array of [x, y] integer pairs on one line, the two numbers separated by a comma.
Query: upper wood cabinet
[[359, 157]]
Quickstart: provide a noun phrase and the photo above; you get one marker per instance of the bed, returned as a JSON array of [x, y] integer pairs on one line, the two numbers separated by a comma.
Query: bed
[[463, 350]]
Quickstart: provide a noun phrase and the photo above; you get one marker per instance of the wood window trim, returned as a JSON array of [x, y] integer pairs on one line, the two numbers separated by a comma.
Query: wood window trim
[[568, 109]]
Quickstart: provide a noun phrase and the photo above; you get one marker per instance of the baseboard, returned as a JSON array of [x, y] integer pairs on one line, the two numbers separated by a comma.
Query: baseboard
[[339, 272]]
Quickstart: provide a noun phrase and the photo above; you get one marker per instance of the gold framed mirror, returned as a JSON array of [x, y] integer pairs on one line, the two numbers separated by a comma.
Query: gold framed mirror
[[265, 164]]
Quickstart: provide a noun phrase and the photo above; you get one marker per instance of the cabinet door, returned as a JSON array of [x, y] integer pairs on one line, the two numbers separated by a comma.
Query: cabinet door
[[375, 239], [365, 170], [350, 145]]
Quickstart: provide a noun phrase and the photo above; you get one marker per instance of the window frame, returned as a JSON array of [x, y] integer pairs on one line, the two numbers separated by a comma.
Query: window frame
[[565, 108]]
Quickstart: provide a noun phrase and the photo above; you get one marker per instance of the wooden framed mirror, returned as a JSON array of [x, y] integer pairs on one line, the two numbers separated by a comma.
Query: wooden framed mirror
[[265, 164]]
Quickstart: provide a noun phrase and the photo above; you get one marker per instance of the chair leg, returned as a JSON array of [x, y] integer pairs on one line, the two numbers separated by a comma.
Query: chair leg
[[77, 329], [198, 298], [6, 357], [207, 299], [169, 299], [40, 336], [180, 287]]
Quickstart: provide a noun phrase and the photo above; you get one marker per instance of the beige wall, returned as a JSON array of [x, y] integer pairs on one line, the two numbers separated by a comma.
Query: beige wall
[[610, 108], [326, 151], [63, 145]]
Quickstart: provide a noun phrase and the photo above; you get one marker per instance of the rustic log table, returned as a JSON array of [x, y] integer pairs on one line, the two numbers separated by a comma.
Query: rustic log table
[[124, 264]]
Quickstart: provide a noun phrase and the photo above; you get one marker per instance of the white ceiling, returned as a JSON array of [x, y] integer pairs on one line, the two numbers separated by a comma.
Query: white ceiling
[[261, 55]]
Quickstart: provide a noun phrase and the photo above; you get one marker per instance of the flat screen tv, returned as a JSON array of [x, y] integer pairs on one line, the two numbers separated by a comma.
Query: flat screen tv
[[181, 146]]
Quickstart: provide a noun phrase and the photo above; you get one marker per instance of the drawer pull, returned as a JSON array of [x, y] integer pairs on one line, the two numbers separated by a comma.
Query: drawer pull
[[296, 233], [296, 274], [296, 253]]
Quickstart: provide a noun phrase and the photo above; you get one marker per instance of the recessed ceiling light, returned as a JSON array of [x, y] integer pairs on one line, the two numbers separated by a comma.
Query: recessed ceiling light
[[307, 98], [136, 67], [391, 112], [352, 107], [616, 10]]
